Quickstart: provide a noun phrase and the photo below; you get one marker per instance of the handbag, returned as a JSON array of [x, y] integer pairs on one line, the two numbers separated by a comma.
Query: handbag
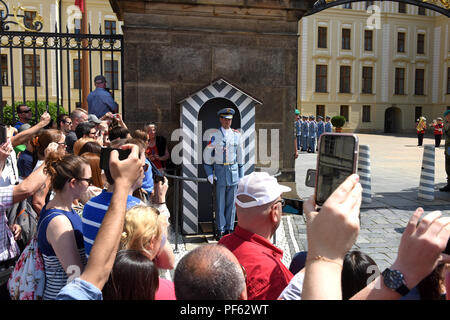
[[27, 281]]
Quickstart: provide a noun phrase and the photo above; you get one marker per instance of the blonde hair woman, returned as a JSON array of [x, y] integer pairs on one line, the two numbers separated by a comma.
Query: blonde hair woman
[[145, 230]]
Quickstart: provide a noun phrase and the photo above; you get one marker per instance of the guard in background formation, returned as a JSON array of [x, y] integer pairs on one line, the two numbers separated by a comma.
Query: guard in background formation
[[328, 125], [298, 129], [312, 134], [320, 129], [304, 133], [447, 151], [226, 167]]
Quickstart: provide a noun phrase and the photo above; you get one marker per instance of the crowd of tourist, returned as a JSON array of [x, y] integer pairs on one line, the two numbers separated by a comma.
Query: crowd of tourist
[[112, 227]]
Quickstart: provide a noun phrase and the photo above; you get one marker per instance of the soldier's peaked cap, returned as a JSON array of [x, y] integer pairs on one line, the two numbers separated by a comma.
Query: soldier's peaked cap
[[226, 113]]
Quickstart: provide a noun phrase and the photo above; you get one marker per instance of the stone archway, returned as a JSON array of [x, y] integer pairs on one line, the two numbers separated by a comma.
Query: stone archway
[[392, 120]]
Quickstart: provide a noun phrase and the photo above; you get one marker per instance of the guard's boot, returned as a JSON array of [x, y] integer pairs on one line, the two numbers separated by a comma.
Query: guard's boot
[[219, 235]]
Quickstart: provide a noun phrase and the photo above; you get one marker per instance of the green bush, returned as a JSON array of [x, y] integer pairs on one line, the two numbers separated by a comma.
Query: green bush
[[41, 105], [338, 121]]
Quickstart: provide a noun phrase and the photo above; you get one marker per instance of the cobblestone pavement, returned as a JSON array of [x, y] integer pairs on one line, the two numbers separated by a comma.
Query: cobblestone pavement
[[395, 173]]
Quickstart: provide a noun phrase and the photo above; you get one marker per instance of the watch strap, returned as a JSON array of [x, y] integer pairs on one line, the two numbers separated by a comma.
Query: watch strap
[[403, 290]]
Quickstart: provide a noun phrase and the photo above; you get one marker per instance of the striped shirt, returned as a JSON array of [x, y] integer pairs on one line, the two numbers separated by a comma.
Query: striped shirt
[[8, 246], [55, 276], [93, 213]]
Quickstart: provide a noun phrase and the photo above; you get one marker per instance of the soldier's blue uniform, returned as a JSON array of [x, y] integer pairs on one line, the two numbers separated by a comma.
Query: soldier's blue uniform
[[304, 133], [226, 166], [298, 132], [328, 125], [320, 128], [312, 134]]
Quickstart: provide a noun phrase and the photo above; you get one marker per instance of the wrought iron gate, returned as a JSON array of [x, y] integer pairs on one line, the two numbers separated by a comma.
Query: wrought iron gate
[[39, 66]]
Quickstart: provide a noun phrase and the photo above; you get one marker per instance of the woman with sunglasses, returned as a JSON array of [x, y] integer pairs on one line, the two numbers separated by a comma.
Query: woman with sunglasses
[[59, 228], [98, 179]]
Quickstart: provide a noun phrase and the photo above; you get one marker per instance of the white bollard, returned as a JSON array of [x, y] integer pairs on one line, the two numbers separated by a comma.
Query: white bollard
[[426, 187], [364, 173]]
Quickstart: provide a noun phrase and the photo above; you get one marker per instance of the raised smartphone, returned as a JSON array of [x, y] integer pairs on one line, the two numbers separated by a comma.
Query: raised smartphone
[[337, 160], [105, 154]]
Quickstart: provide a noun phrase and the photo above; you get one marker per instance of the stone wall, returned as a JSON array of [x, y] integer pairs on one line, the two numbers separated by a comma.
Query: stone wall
[[173, 48]]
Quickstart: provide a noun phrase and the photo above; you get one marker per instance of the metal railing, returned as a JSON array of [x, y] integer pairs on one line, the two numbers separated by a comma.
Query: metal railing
[[176, 202]]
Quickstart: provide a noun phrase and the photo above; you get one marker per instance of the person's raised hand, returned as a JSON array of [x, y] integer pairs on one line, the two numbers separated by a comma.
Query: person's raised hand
[[5, 150], [127, 171], [45, 118], [160, 191], [421, 246], [333, 230]]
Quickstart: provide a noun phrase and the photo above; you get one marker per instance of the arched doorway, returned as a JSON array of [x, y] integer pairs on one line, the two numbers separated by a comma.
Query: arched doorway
[[392, 120]]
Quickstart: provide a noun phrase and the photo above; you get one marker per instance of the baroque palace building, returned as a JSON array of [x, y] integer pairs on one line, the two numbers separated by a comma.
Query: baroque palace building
[[65, 15], [381, 78]]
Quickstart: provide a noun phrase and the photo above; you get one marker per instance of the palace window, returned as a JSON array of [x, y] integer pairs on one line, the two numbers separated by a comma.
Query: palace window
[[346, 36], [4, 68], [344, 111], [399, 81], [321, 78], [76, 73], [345, 79], [32, 70], [322, 37], [419, 82], [368, 40], [420, 43], [366, 114], [367, 73], [320, 110], [401, 42], [29, 18], [112, 72]]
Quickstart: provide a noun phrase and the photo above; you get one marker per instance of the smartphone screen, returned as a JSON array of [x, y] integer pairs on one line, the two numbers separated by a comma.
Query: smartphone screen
[[337, 160]]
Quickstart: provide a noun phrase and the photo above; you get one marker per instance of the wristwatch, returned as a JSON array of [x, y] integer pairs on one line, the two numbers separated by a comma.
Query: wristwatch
[[394, 279]]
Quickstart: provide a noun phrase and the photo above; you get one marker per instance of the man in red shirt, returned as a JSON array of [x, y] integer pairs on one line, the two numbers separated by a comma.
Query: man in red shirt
[[259, 208]]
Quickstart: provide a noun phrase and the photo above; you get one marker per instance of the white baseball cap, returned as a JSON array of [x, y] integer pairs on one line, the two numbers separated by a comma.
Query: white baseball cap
[[260, 186]]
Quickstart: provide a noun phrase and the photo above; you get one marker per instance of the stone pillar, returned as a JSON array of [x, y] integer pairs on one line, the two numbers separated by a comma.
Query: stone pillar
[[173, 48]]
